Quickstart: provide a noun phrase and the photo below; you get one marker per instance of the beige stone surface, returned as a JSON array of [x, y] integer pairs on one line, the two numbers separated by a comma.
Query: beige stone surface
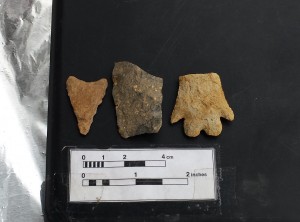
[[201, 102], [85, 98]]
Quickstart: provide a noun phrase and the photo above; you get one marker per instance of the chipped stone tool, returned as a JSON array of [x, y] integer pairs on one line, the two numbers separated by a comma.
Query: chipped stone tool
[[201, 102], [138, 98], [85, 98]]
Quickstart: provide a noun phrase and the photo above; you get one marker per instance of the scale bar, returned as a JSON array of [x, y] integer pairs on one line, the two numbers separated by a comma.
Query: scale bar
[[133, 182], [120, 164]]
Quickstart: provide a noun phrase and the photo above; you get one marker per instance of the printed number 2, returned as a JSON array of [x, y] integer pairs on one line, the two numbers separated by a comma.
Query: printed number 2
[[187, 174], [124, 157]]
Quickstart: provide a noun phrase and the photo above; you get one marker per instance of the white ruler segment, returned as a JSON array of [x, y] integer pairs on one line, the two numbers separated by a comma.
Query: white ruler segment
[[122, 175]]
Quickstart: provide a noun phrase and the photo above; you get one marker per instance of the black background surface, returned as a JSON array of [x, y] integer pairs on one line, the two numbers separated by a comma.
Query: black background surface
[[255, 48]]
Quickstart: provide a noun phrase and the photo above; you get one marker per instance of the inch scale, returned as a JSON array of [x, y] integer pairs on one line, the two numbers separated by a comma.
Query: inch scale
[[122, 175]]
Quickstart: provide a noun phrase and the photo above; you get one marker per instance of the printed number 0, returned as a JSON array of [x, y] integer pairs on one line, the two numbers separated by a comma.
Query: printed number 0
[[83, 175]]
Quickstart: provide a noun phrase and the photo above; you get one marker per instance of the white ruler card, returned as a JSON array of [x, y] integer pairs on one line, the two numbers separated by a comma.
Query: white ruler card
[[123, 175]]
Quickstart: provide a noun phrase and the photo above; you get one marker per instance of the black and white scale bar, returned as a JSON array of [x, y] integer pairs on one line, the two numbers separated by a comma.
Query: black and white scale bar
[[92, 164], [119, 164], [133, 182]]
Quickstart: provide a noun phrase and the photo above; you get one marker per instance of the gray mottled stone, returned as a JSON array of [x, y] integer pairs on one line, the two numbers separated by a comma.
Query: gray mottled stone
[[138, 98]]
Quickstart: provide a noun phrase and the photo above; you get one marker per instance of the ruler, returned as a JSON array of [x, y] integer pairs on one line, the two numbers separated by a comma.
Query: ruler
[[124, 175]]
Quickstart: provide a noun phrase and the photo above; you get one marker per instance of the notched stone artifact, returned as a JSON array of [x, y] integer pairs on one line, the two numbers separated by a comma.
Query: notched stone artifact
[[138, 98], [85, 98], [201, 102]]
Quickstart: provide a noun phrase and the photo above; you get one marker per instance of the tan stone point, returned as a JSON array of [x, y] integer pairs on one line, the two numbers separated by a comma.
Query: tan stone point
[[201, 102], [85, 98]]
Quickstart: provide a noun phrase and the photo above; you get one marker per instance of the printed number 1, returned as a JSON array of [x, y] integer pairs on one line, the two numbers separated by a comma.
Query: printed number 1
[[135, 174]]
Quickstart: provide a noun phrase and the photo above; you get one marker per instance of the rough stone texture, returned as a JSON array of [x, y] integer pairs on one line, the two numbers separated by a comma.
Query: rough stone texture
[[201, 102], [138, 98], [85, 98]]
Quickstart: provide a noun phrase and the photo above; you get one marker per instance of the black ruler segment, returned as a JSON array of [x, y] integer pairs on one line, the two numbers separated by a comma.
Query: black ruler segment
[[105, 182], [134, 163], [148, 181], [92, 182]]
